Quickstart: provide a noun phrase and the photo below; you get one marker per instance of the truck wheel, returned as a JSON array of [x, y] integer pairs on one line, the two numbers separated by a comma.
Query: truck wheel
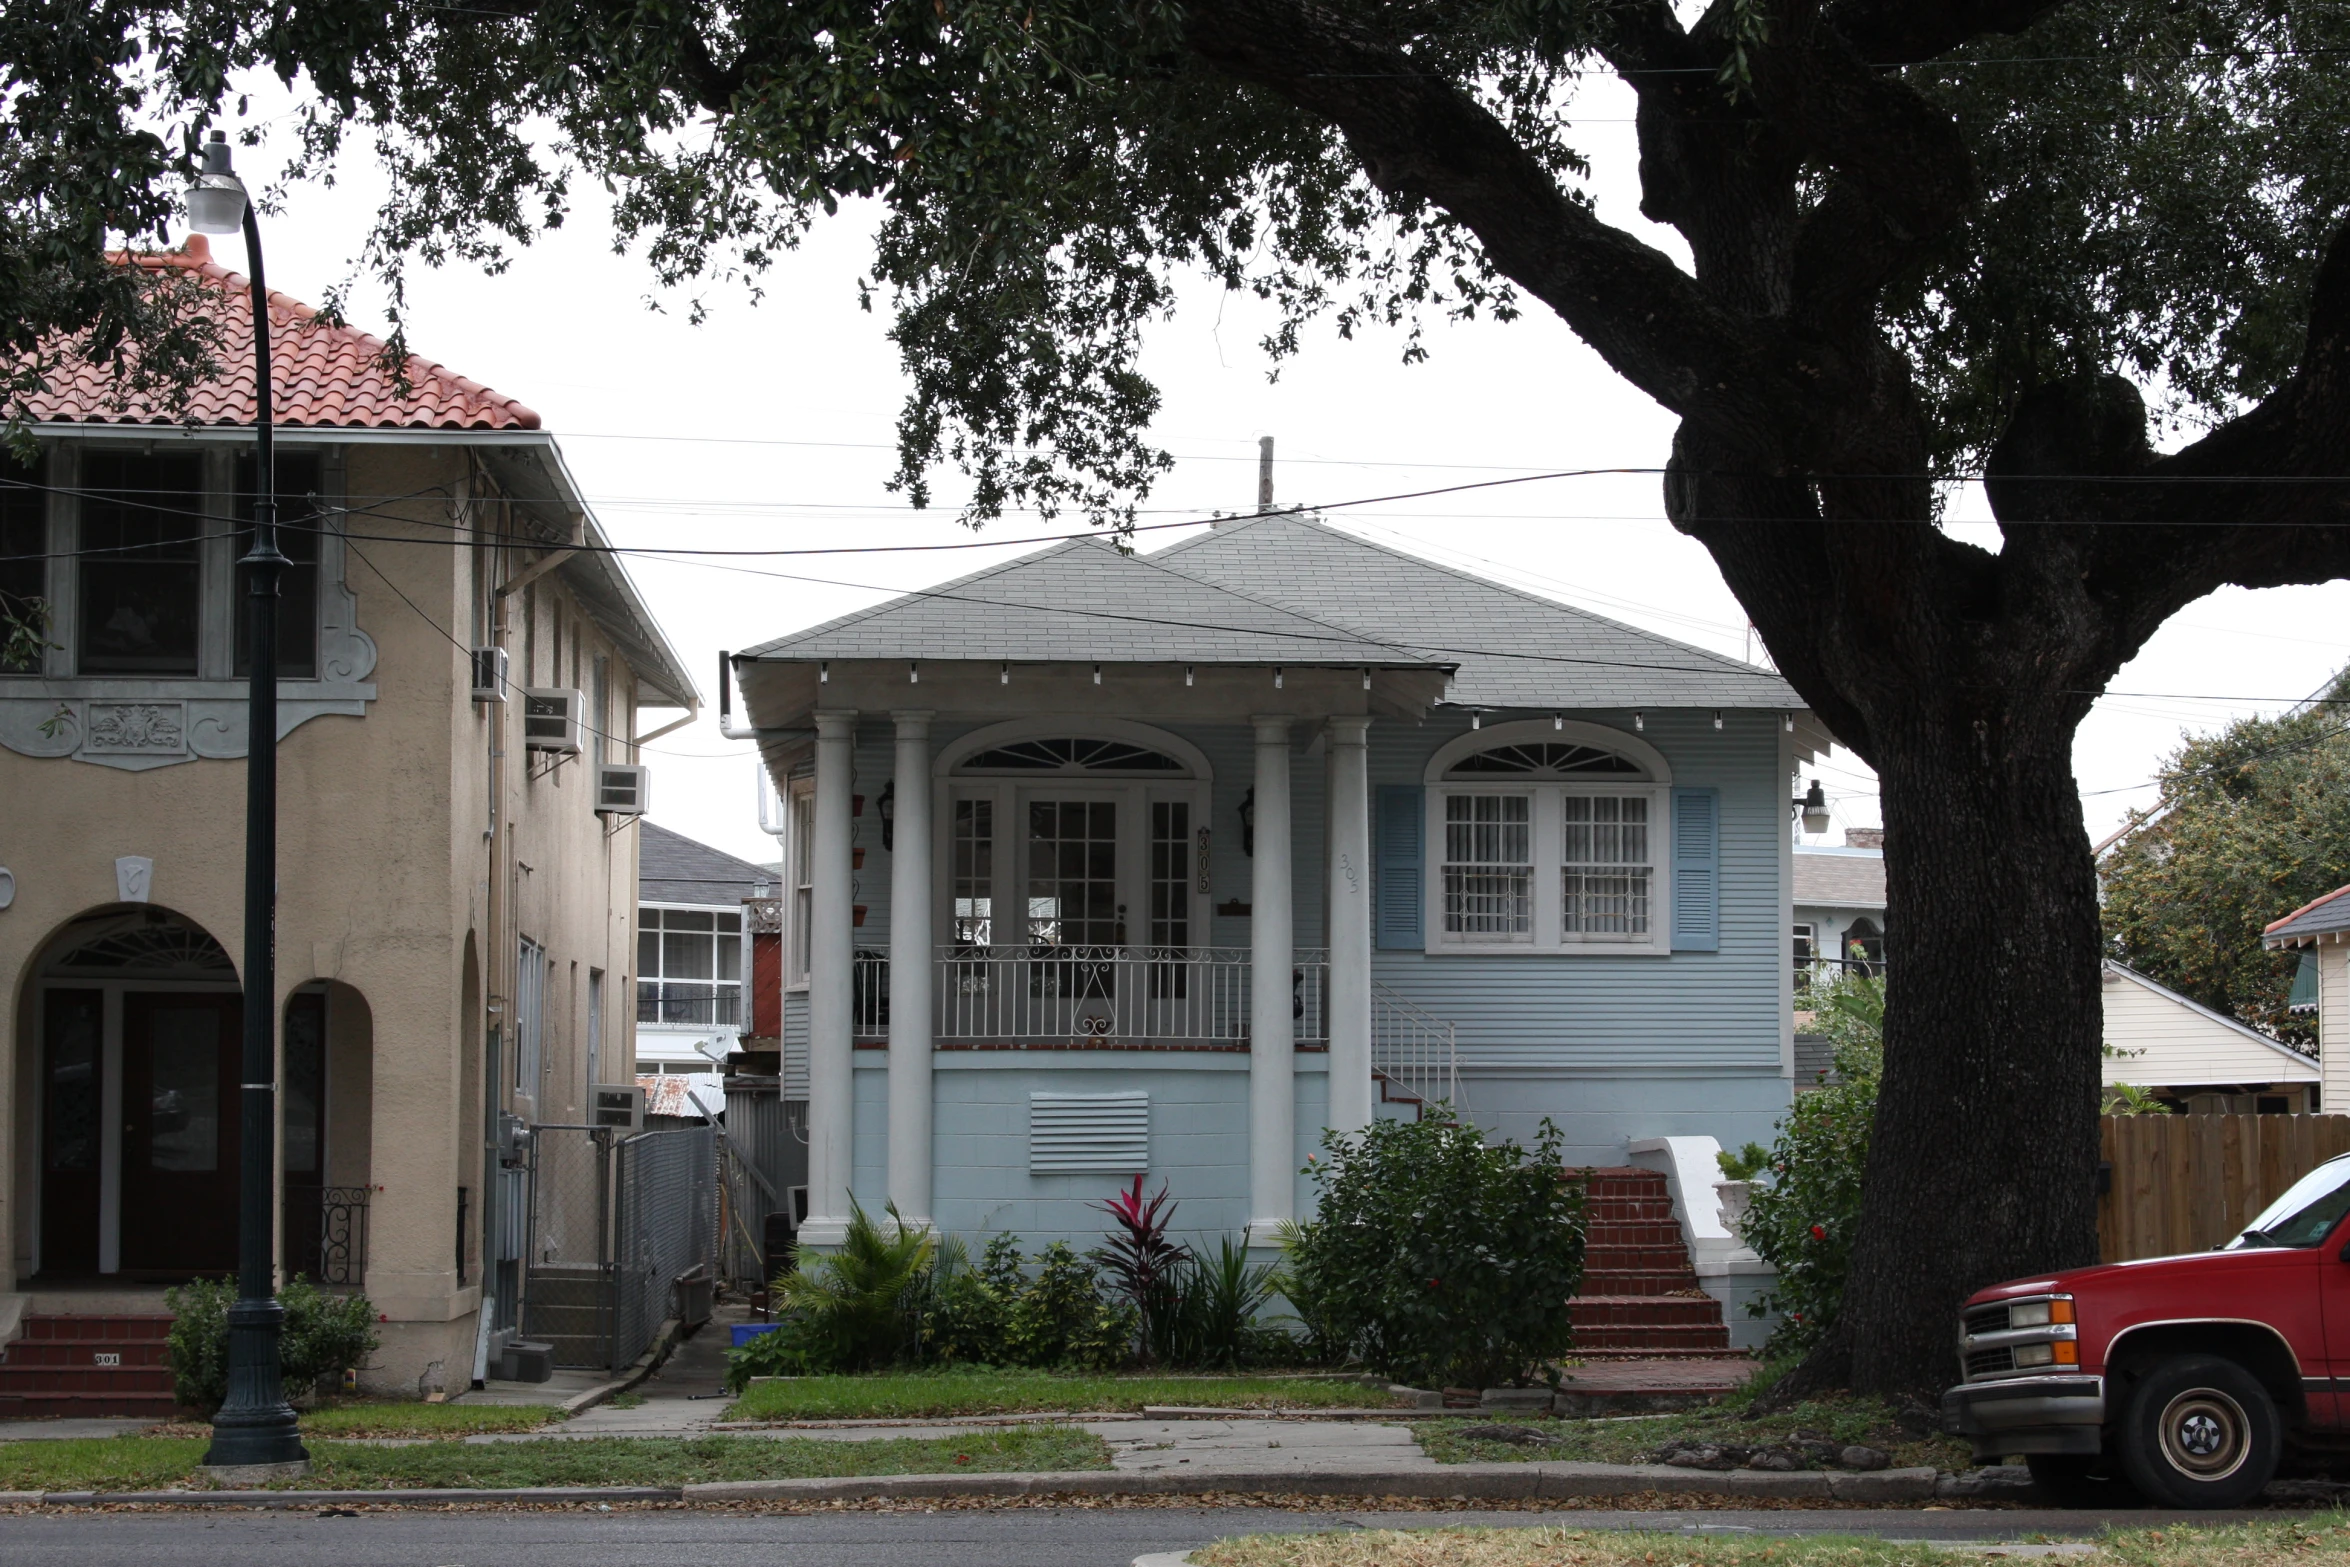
[[2200, 1432], [2070, 1480]]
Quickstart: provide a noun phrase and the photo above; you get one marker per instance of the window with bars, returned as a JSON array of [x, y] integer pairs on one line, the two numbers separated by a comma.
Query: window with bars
[[1073, 873], [1170, 898], [1489, 866], [689, 967], [973, 848], [1604, 869]]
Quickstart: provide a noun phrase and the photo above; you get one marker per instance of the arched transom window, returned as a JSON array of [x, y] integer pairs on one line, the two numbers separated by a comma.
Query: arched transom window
[[1544, 759], [1072, 754]]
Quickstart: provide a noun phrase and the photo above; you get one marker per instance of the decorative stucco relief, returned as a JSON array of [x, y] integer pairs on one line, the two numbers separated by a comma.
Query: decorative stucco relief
[[136, 732]]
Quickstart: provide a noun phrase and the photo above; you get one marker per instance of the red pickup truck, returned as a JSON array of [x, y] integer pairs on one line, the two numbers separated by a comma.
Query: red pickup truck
[[2186, 1377]]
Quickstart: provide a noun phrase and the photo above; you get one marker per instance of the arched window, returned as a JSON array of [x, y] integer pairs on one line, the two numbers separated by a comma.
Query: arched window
[[1548, 837]]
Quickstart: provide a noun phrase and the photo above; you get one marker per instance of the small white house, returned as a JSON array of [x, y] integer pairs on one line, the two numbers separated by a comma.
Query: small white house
[[2158, 1039], [2320, 931], [690, 962], [1839, 904]]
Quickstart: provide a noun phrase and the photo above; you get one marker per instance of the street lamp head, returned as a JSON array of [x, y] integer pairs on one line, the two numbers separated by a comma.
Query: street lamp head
[[216, 202]]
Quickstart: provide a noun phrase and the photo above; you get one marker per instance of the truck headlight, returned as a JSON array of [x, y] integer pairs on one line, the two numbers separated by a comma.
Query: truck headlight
[[2040, 1313], [2064, 1352]]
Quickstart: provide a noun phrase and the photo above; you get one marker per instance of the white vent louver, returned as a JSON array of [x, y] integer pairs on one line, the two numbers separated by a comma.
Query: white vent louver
[[1088, 1134], [550, 719], [489, 674], [623, 789]]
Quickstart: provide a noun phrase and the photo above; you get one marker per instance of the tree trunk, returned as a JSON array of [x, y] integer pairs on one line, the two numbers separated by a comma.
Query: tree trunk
[[1983, 1161]]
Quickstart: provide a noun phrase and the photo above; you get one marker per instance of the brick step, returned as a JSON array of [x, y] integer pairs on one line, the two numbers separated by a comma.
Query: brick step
[[1628, 1210], [1648, 1340], [1598, 1258], [1646, 1283], [1658, 1232], [1591, 1353], [51, 1325], [85, 1352], [57, 1381], [1644, 1310], [87, 1406]]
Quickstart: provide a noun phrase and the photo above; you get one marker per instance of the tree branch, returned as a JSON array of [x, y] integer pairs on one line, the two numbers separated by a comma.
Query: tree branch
[[1904, 32], [1420, 136]]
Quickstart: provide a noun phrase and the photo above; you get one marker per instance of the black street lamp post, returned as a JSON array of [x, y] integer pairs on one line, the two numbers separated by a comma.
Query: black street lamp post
[[255, 1426]]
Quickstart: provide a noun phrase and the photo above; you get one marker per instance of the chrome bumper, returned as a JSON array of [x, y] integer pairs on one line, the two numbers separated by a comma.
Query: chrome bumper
[[2059, 1414]]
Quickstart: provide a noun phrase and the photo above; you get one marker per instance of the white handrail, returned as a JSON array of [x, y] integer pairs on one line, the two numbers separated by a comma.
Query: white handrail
[[1041, 995], [1414, 1049]]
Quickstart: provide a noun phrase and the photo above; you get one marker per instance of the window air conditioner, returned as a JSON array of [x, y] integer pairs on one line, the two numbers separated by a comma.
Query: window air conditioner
[[619, 1105], [623, 789], [550, 719], [489, 674]]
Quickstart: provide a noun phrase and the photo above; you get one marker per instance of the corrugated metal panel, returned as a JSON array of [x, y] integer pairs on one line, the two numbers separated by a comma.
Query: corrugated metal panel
[[1075, 1134]]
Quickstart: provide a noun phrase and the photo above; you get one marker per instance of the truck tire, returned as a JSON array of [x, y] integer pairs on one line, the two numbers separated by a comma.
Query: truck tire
[[2200, 1431]]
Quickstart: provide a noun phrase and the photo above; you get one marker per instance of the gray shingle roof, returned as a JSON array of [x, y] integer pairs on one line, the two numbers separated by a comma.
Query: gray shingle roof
[[1514, 648], [1084, 600], [672, 868], [1839, 878], [2326, 916]]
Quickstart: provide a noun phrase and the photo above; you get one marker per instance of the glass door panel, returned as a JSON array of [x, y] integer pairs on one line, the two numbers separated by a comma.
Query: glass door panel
[[1075, 922]]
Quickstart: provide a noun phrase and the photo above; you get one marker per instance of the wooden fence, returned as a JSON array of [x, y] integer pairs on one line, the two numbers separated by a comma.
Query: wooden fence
[[2184, 1183]]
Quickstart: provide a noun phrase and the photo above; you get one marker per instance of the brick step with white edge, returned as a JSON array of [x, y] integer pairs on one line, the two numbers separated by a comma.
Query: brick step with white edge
[[1640, 1297], [109, 1365]]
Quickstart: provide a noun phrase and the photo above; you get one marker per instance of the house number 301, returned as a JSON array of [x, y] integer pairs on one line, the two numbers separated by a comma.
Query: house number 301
[[107, 1357]]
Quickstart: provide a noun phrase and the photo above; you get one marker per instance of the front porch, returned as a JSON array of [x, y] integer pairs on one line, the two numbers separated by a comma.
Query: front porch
[[1044, 996]]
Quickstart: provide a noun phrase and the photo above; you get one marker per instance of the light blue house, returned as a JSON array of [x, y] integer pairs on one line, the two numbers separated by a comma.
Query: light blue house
[[1099, 863]]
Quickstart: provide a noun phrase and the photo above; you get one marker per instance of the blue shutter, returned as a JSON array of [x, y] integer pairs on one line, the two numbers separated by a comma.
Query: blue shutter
[[1697, 870], [1400, 815]]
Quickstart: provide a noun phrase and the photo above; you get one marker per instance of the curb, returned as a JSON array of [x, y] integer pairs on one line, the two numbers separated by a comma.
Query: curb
[[1456, 1482]]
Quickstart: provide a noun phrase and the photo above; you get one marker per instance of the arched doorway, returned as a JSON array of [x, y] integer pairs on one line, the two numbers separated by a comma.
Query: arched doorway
[[139, 1019]]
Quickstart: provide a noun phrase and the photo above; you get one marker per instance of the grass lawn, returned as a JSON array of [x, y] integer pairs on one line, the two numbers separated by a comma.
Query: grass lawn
[[2322, 1540], [144, 1463], [922, 1394], [1843, 1422], [403, 1417]]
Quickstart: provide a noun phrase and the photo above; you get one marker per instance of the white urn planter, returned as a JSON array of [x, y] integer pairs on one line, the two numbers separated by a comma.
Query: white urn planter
[[1734, 1196]]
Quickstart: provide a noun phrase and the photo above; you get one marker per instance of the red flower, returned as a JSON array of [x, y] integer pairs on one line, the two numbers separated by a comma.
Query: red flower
[[1432, 1283], [962, 1458], [1819, 1232]]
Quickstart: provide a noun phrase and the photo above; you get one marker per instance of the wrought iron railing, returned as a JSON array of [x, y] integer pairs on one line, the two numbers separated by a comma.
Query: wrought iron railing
[[326, 1233], [1413, 1049], [688, 1004], [1054, 995]]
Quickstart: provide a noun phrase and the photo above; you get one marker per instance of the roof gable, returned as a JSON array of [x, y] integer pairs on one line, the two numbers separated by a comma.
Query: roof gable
[[1086, 600], [1514, 648], [321, 374], [2189, 1030], [672, 868], [2329, 915]]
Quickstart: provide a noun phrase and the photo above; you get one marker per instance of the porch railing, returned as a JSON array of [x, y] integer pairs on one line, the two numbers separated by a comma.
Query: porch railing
[[1052, 995], [689, 1005], [1413, 1049]]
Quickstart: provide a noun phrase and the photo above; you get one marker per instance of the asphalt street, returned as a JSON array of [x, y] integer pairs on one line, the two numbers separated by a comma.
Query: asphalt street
[[1022, 1537]]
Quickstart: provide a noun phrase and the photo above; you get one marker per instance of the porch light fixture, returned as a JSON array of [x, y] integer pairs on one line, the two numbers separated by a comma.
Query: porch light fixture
[[1787, 722], [1717, 718], [1188, 673], [1639, 724], [1276, 677], [1366, 680], [1814, 806], [887, 805], [1097, 674], [254, 1424], [1004, 675], [823, 674], [1558, 721], [1476, 719], [913, 673]]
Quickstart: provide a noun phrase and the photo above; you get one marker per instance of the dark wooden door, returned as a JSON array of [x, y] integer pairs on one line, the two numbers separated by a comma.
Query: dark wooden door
[[179, 1144], [73, 1065]]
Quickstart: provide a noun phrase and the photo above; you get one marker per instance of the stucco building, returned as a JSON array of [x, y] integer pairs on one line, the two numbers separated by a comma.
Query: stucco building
[[457, 902]]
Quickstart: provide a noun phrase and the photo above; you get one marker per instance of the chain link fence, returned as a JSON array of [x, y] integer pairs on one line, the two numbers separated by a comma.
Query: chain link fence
[[666, 1187], [615, 1222]]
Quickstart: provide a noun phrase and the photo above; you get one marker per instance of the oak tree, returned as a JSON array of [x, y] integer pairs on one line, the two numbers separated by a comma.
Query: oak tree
[[1921, 240]]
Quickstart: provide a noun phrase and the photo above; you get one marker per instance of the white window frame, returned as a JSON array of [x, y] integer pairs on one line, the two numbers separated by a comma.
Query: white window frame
[[1012, 789], [798, 889], [720, 940], [1549, 937]]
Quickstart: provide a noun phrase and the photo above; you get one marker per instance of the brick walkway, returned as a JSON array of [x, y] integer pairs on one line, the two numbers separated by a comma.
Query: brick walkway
[[1622, 1378]]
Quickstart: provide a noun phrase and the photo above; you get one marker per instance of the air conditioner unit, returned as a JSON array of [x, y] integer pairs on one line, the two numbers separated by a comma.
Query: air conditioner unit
[[623, 789], [489, 674], [619, 1105], [550, 719]]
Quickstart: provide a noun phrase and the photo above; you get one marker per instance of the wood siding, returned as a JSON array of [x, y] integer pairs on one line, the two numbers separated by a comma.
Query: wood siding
[[2172, 1043]]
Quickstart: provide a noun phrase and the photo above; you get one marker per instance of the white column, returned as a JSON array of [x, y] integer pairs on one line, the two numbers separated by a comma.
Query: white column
[[1350, 925], [1272, 1055], [830, 983], [910, 971]]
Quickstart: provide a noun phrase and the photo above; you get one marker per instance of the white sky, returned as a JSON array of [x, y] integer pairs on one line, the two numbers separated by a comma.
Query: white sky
[[770, 426]]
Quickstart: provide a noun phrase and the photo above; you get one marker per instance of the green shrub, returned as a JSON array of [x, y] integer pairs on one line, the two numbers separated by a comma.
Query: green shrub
[[1062, 1319], [1744, 1165], [1437, 1258], [1803, 1221], [1212, 1311], [324, 1335]]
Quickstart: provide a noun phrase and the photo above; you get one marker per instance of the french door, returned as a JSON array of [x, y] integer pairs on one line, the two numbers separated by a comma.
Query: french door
[[179, 1148]]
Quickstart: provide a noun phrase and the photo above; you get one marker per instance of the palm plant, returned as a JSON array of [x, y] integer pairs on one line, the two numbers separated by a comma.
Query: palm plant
[[862, 1303], [1216, 1301]]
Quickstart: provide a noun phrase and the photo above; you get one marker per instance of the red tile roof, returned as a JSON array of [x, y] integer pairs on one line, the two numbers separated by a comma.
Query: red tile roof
[[324, 375]]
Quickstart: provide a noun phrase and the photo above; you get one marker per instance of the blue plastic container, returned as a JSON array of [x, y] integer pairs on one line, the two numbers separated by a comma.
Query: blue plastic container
[[744, 1332]]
